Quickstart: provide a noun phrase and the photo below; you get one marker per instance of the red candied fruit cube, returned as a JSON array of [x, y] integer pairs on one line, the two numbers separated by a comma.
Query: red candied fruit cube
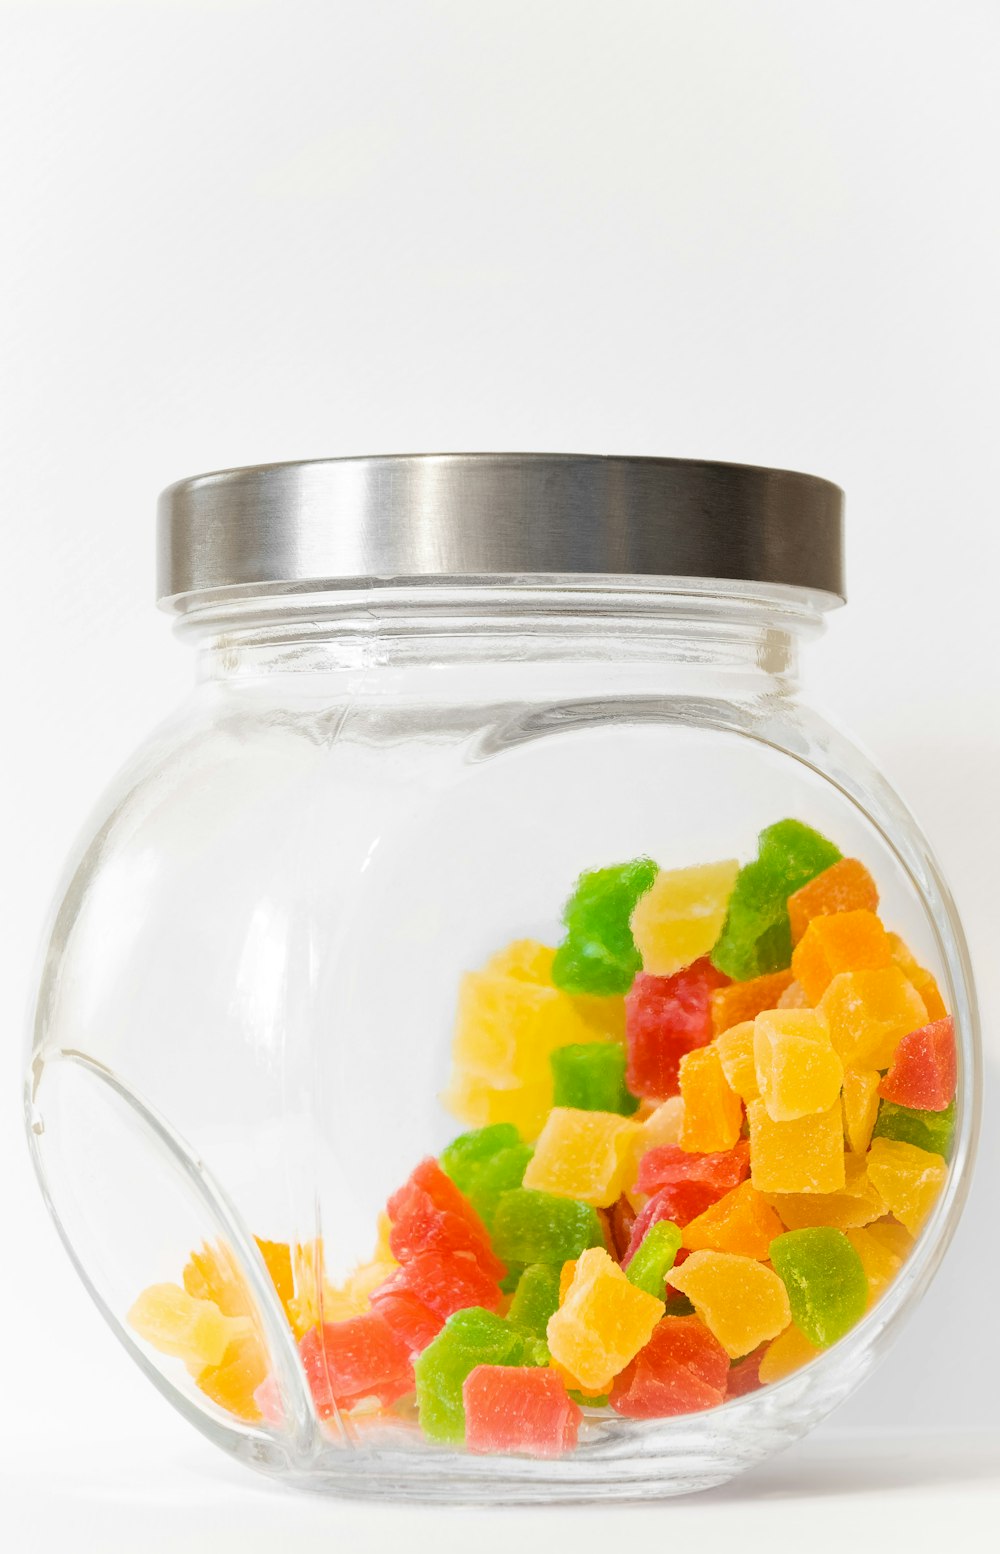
[[924, 1070], [359, 1358], [428, 1213], [711, 1174], [443, 1282], [681, 1370], [744, 1376], [665, 1018], [414, 1322], [514, 1408]]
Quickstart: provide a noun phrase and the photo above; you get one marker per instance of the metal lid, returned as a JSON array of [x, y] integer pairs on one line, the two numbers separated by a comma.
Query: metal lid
[[335, 522]]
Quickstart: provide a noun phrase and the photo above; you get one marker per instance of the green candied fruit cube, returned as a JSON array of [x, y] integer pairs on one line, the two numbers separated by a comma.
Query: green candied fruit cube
[[537, 1227], [591, 1078], [654, 1258], [536, 1352], [535, 1299], [933, 1131], [825, 1280], [469, 1338], [465, 1156], [598, 954], [499, 1175], [756, 936]]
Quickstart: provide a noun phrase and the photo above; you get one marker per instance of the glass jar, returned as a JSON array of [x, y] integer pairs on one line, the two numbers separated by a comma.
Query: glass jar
[[430, 692]]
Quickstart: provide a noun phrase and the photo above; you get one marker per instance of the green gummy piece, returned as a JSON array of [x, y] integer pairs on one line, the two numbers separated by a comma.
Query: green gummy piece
[[756, 936], [509, 1282], [586, 1401], [679, 1306], [536, 1352], [591, 1078], [535, 1299], [933, 1131], [654, 1258], [825, 1280], [465, 1156], [504, 1171], [537, 1227], [598, 954], [469, 1338]]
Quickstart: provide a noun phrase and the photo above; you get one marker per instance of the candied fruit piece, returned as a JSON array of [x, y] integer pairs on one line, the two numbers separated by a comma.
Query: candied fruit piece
[[741, 1300], [756, 937], [742, 1001], [798, 1072], [469, 1338], [803, 1156], [482, 1103], [685, 1183], [233, 1383], [443, 1282], [922, 979], [680, 916], [908, 1178], [409, 1319], [713, 1114], [277, 1257], [742, 1222], [825, 1280], [933, 1131], [665, 1018], [830, 946], [856, 1203], [602, 1323], [182, 1325], [539, 1227], [535, 1299], [425, 1218], [793, 997], [592, 1078], [682, 1369], [880, 1262], [512, 1408], [214, 1274], [868, 1013], [598, 954], [924, 1068], [360, 1358], [846, 886], [654, 1257], [735, 1049], [464, 1158], [789, 1352], [860, 1106], [582, 1155], [525, 959]]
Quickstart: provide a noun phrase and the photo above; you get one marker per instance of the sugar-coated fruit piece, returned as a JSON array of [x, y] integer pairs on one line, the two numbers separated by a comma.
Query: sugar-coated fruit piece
[[679, 918], [830, 946], [598, 954], [535, 1299], [591, 1078], [742, 1001], [789, 1352], [501, 1173], [277, 1258], [798, 1071], [908, 1178], [846, 886], [741, 1300], [933, 1131], [511, 1408], [482, 1102], [665, 1018], [687, 1182], [713, 1113], [742, 1222], [179, 1324], [539, 1227], [409, 1318], [879, 1260], [602, 1323], [868, 1013], [922, 979], [661, 1126], [582, 1155], [856, 1203], [681, 1370], [654, 1257], [735, 1049], [469, 1338], [860, 1098], [526, 959], [360, 1358], [234, 1382], [214, 1273], [793, 997], [924, 1068], [444, 1282], [756, 937], [744, 1375], [825, 1279], [803, 1156], [464, 1158], [421, 1224]]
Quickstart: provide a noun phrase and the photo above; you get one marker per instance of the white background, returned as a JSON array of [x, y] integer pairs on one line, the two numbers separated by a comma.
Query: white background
[[234, 232]]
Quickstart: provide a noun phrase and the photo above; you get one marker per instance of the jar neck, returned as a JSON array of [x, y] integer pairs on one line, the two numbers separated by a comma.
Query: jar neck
[[520, 638]]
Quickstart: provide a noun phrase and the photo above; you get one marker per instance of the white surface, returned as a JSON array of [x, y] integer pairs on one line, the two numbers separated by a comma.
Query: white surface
[[236, 232]]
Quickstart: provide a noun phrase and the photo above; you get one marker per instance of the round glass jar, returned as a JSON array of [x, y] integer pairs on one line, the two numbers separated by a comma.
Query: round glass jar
[[430, 692]]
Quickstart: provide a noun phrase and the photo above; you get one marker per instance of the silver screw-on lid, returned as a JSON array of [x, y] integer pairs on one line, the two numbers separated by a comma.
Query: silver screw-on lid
[[336, 522]]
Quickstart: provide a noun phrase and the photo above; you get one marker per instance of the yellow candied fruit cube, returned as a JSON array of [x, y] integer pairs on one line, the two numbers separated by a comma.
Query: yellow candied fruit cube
[[923, 980], [681, 915], [233, 1382], [178, 1324], [869, 1012], [793, 997], [735, 1049], [524, 959], [856, 1203], [802, 1156], [739, 1299], [214, 1273], [742, 1221], [798, 1072], [583, 1155], [860, 1097], [908, 1178], [478, 1103], [880, 1263], [602, 1323], [713, 1113], [507, 1027], [893, 1236], [661, 1125], [789, 1352], [846, 941]]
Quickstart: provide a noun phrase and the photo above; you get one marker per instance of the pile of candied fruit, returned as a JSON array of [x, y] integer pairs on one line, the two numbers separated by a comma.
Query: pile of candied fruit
[[705, 1131]]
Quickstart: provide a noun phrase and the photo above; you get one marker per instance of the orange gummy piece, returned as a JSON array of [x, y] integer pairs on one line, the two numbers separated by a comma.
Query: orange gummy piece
[[713, 1113], [742, 1222], [233, 1383], [277, 1257], [846, 941], [922, 979], [743, 1000], [846, 886]]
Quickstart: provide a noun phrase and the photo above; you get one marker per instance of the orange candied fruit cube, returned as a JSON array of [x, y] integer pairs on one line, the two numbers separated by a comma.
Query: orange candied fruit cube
[[846, 886], [847, 941], [713, 1113], [923, 980], [743, 1000], [742, 1222]]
